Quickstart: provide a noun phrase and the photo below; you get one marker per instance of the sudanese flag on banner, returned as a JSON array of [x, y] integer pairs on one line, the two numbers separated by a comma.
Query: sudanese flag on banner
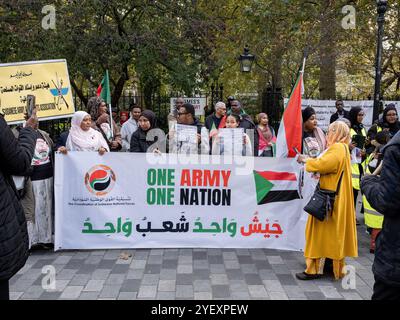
[[274, 186]]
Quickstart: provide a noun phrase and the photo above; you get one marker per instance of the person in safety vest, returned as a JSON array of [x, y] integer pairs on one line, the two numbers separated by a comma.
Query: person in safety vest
[[358, 136], [372, 218]]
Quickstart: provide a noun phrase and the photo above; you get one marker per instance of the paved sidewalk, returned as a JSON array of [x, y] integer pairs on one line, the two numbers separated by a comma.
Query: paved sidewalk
[[186, 274]]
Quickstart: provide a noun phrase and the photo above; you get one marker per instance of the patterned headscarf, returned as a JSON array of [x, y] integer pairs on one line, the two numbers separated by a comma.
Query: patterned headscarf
[[93, 107]]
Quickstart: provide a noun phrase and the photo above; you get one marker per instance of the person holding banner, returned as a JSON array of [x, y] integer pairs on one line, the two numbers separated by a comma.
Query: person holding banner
[[16, 158], [130, 126], [335, 237], [222, 146], [82, 137], [139, 139], [97, 109], [266, 136]]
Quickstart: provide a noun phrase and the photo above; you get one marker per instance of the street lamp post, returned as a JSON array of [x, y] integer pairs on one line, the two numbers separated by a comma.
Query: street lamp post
[[246, 60], [381, 9]]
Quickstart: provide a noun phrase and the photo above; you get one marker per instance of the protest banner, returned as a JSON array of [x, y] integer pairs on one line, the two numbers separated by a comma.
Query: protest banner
[[198, 102], [325, 108], [47, 80], [168, 203]]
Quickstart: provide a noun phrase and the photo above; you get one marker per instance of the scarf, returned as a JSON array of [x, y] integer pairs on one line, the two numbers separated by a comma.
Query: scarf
[[81, 140]]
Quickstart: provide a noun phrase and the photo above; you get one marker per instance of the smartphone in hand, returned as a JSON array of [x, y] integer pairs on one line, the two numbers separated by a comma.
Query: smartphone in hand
[[30, 104]]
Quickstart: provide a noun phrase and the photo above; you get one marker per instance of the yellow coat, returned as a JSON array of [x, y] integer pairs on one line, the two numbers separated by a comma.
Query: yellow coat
[[335, 237]]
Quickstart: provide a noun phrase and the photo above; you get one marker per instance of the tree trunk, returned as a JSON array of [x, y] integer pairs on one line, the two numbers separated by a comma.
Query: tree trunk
[[327, 51]]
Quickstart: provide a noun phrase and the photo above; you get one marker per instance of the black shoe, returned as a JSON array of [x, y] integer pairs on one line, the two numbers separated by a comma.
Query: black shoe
[[306, 276]]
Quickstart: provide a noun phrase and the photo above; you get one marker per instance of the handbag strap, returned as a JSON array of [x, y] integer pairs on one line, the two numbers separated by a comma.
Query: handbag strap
[[340, 179]]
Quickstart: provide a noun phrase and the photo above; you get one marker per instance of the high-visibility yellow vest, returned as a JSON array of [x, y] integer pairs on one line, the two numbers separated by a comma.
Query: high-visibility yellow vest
[[372, 218], [355, 170]]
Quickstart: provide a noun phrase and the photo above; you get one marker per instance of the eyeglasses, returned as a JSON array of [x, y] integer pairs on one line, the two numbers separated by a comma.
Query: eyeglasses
[[182, 113]]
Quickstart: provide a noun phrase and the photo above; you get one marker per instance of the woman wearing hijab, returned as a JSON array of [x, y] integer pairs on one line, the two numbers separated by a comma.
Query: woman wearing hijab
[[266, 136], [390, 122], [101, 122], [334, 238], [82, 137], [314, 141], [139, 142], [356, 117]]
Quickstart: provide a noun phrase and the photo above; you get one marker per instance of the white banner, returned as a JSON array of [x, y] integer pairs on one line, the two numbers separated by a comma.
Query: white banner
[[198, 103], [131, 200], [325, 108]]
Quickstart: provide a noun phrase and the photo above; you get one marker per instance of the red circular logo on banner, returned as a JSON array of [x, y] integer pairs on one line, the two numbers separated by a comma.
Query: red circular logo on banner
[[100, 180]]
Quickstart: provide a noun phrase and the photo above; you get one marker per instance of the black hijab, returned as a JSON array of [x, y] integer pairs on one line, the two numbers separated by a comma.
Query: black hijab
[[354, 111], [151, 116], [393, 127]]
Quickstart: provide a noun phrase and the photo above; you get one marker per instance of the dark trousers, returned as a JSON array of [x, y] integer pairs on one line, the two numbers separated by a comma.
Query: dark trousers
[[382, 291], [4, 290]]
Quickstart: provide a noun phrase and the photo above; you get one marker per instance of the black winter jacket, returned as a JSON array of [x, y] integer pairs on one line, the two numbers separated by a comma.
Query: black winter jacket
[[15, 159], [383, 195], [139, 142]]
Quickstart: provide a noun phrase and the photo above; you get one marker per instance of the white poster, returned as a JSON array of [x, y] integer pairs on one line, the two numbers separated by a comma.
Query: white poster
[[132, 200], [325, 108], [198, 103]]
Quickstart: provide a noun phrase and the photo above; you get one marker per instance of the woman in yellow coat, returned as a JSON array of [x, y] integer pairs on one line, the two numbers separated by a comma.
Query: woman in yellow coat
[[335, 237]]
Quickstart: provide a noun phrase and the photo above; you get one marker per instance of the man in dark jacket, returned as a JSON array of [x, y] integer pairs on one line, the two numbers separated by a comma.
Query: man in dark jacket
[[246, 123], [340, 113], [382, 193], [15, 159]]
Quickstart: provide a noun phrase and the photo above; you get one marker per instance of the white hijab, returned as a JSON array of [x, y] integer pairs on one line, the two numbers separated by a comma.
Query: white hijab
[[81, 140]]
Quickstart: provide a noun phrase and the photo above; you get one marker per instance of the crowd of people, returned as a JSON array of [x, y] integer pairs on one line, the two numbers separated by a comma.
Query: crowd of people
[[345, 158]]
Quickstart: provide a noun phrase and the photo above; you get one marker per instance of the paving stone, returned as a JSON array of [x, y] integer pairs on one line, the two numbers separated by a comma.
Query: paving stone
[[115, 279], [155, 259], [217, 268], [287, 279], [276, 295], [110, 291], [62, 260], [273, 285], [94, 260], [253, 279], [245, 259], [220, 291], [50, 295], [258, 292], [166, 285], [315, 295], [33, 292], [66, 274], [330, 292], [219, 279], [135, 274], [202, 285], [94, 285], [294, 292], [199, 255], [147, 292], [80, 280], [131, 285], [41, 263], [89, 296], [120, 269], [150, 279], [351, 296], [127, 296], [101, 274], [203, 296], [166, 295], [185, 260], [235, 274], [249, 269], [71, 292], [184, 291], [215, 259], [106, 264], [266, 274], [184, 279], [138, 264], [170, 264], [87, 269], [201, 264], [201, 274], [168, 274], [185, 268], [15, 295], [75, 264]]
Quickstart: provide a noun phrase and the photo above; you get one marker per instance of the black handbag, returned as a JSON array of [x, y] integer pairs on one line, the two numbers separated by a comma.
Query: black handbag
[[322, 202]]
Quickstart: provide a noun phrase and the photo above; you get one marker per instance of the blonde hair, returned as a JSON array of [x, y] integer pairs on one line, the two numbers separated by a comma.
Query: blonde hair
[[338, 131]]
